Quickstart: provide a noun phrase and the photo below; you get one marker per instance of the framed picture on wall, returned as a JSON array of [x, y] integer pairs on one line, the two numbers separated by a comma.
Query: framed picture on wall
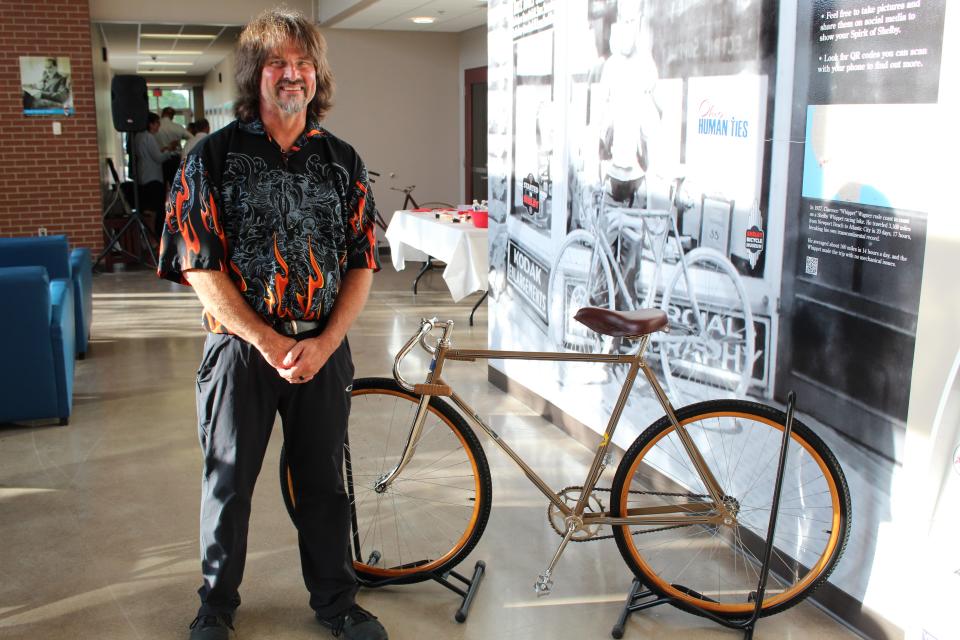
[[46, 85]]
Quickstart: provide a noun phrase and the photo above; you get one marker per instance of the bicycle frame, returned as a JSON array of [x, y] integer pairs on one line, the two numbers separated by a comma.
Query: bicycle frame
[[576, 518]]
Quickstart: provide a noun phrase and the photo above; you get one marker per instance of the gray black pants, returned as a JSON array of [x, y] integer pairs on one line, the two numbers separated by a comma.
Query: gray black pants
[[238, 398]]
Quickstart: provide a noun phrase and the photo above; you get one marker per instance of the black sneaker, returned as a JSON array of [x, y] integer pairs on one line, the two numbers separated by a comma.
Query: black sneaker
[[355, 623], [211, 627]]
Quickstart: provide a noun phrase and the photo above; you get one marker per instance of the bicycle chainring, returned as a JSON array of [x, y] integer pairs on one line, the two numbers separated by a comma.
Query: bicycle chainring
[[570, 496]]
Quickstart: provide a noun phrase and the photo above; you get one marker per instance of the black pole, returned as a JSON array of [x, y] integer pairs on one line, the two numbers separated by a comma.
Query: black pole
[[774, 512]]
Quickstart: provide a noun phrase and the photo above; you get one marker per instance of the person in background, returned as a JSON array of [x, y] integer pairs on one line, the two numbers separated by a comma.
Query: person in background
[[271, 221], [149, 170], [201, 129], [168, 137]]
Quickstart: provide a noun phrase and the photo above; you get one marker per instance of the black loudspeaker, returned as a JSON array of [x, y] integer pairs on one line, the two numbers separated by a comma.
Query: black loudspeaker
[[129, 102]]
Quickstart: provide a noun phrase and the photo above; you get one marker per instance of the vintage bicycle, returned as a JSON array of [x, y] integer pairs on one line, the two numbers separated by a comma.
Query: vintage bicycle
[[632, 255], [408, 201], [689, 505]]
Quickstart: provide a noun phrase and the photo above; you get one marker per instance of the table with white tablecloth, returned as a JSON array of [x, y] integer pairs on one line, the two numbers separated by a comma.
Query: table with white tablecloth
[[419, 236]]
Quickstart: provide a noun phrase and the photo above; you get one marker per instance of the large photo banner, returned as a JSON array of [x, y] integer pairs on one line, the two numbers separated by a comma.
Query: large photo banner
[[629, 167]]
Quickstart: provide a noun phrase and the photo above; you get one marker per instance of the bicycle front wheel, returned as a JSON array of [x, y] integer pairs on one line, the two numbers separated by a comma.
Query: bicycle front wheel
[[435, 511], [580, 277], [709, 350], [716, 567]]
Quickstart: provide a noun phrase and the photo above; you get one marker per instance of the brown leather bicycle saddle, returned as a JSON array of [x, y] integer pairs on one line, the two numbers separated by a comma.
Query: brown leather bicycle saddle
[[622, 324]]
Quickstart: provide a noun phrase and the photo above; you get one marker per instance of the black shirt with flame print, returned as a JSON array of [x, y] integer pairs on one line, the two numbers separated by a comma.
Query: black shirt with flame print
[[285, 226]]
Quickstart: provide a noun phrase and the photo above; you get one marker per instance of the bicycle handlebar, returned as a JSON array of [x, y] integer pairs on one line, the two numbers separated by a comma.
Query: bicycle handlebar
[[426, 327]]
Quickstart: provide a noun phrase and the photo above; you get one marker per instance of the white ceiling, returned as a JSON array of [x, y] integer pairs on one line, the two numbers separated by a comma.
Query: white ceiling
[[451, 15], [131, 49], [189, 59]]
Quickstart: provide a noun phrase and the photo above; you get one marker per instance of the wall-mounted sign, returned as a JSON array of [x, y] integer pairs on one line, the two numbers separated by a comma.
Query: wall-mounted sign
[[529, 277], [754, 240]]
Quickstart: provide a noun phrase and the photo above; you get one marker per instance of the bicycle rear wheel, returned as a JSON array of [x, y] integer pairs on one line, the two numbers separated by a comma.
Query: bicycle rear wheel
[[716, 567], [434, 513], [710, 353]]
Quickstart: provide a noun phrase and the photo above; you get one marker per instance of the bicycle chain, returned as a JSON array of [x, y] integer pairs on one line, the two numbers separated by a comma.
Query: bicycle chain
[[646, 493]]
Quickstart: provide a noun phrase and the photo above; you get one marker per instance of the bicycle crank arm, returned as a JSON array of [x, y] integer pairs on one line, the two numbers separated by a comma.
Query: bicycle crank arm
[[544, 583]]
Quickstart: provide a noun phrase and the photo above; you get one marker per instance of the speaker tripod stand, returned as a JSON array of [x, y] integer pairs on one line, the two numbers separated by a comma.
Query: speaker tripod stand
[[134, 217]]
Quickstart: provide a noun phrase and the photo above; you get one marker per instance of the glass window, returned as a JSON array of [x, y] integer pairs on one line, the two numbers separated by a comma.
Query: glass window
[[180, 99]]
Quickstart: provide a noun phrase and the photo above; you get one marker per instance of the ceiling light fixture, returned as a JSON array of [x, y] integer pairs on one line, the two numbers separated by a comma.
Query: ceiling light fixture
[[170, 53], [162, 72], [179, 36], [423, 20], [164, 63]]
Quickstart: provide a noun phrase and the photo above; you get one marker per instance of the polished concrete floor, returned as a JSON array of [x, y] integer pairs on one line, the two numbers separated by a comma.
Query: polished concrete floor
[[98, 520]]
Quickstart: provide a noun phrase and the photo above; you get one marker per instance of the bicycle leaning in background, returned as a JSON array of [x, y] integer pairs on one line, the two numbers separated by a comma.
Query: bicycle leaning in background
[[408, 201], [689, 506]]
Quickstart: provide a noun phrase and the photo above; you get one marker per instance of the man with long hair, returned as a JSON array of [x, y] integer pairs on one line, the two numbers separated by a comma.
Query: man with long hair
[[271, 221]]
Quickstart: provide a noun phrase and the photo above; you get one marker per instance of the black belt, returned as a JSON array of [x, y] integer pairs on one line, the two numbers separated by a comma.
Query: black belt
[[297, 327]]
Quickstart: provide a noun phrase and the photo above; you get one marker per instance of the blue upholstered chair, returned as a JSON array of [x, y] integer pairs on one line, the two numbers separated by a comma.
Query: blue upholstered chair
[[81, 268], [37, 345], [53, 253]]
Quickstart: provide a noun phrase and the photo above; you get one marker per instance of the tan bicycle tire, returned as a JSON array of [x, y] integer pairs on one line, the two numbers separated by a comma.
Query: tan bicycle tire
[[638, 551], [462, 441]]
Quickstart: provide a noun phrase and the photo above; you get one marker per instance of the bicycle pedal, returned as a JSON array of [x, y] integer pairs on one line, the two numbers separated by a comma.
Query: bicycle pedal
[[543, 585]]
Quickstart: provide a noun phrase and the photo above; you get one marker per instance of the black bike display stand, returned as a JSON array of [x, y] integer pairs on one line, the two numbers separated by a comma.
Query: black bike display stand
[[472, 584], [639, 598]]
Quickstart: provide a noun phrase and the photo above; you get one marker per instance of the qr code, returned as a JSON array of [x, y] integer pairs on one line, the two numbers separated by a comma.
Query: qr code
[[812, 265]]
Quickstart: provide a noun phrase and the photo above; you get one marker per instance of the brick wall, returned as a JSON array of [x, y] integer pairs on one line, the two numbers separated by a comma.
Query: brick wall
[[46, 180]]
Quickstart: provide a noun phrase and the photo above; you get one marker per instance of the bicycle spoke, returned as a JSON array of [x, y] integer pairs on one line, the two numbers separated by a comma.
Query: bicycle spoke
[[721, 560], [432, 512]]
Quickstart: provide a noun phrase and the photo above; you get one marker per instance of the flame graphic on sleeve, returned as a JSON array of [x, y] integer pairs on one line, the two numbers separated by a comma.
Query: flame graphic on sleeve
[[371, 247], [211, 220], [313, 284], [282, 279], [190, 238], [184, 224], [241, 282], [176, 207], [356, 220]]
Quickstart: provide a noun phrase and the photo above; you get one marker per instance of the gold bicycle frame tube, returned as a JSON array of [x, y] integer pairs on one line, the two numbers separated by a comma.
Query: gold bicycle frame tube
[[713, 512]]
